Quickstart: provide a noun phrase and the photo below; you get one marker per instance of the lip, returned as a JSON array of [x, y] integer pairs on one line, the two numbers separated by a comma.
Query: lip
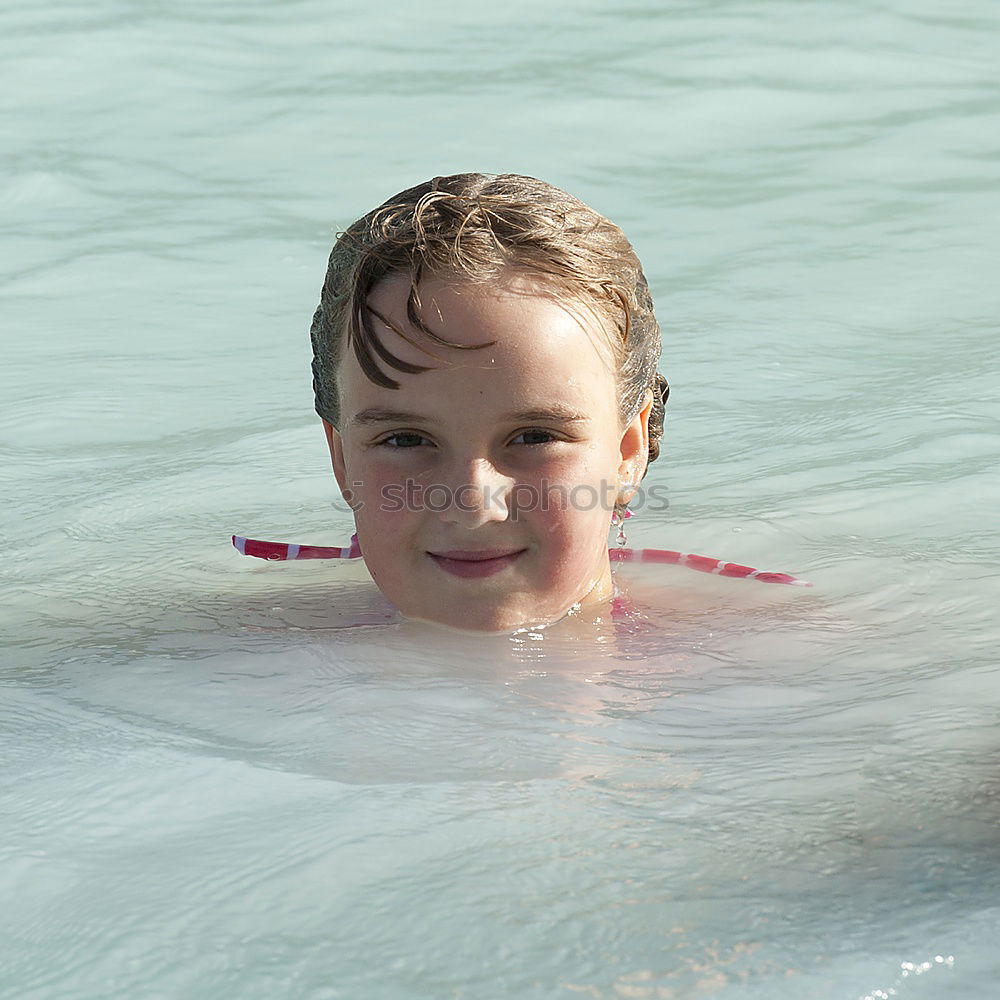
[[470, 564]]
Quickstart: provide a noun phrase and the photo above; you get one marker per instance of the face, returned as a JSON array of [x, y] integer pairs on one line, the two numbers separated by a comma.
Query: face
[[483, 488]]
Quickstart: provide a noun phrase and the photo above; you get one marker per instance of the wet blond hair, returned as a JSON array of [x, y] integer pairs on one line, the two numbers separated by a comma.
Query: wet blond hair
[[478, 228]]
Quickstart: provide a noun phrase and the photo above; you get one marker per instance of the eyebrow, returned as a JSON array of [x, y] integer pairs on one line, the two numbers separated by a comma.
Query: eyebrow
[[556, 414], [376, 415]]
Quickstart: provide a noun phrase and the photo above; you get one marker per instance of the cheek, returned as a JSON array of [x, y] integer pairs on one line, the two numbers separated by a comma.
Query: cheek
[[379, 485], [386, 544], [580, 493], [384, 514], [573, 536], [387, 514]]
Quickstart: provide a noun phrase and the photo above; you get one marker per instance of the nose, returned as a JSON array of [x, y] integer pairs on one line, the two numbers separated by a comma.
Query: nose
[[479, 494]]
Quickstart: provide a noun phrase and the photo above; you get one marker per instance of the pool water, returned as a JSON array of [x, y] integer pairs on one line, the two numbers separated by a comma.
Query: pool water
[[224, 778]]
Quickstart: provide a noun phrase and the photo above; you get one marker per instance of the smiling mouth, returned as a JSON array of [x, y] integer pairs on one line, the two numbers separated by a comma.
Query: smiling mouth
[[471, 565]]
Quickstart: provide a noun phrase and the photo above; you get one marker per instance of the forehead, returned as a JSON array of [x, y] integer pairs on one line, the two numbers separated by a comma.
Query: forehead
[[517, 323]]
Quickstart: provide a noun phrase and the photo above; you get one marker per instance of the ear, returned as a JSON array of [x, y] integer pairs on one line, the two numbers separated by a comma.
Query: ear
[[634, 449], [336, 445]]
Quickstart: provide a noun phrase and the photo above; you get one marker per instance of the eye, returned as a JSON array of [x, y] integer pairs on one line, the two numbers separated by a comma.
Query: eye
[[404, 439], [534, 436]]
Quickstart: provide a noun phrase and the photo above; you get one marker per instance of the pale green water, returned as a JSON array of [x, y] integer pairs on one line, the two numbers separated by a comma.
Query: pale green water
[[207, 792]]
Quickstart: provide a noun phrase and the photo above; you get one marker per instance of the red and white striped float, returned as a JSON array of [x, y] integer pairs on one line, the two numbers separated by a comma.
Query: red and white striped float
[[278, 551]]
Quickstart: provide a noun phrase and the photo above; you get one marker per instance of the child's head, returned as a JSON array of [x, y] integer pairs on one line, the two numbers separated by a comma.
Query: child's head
[[484, 360]]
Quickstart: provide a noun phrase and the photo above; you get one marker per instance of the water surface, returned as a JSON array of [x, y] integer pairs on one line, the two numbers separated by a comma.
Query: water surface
[[214, 789]]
